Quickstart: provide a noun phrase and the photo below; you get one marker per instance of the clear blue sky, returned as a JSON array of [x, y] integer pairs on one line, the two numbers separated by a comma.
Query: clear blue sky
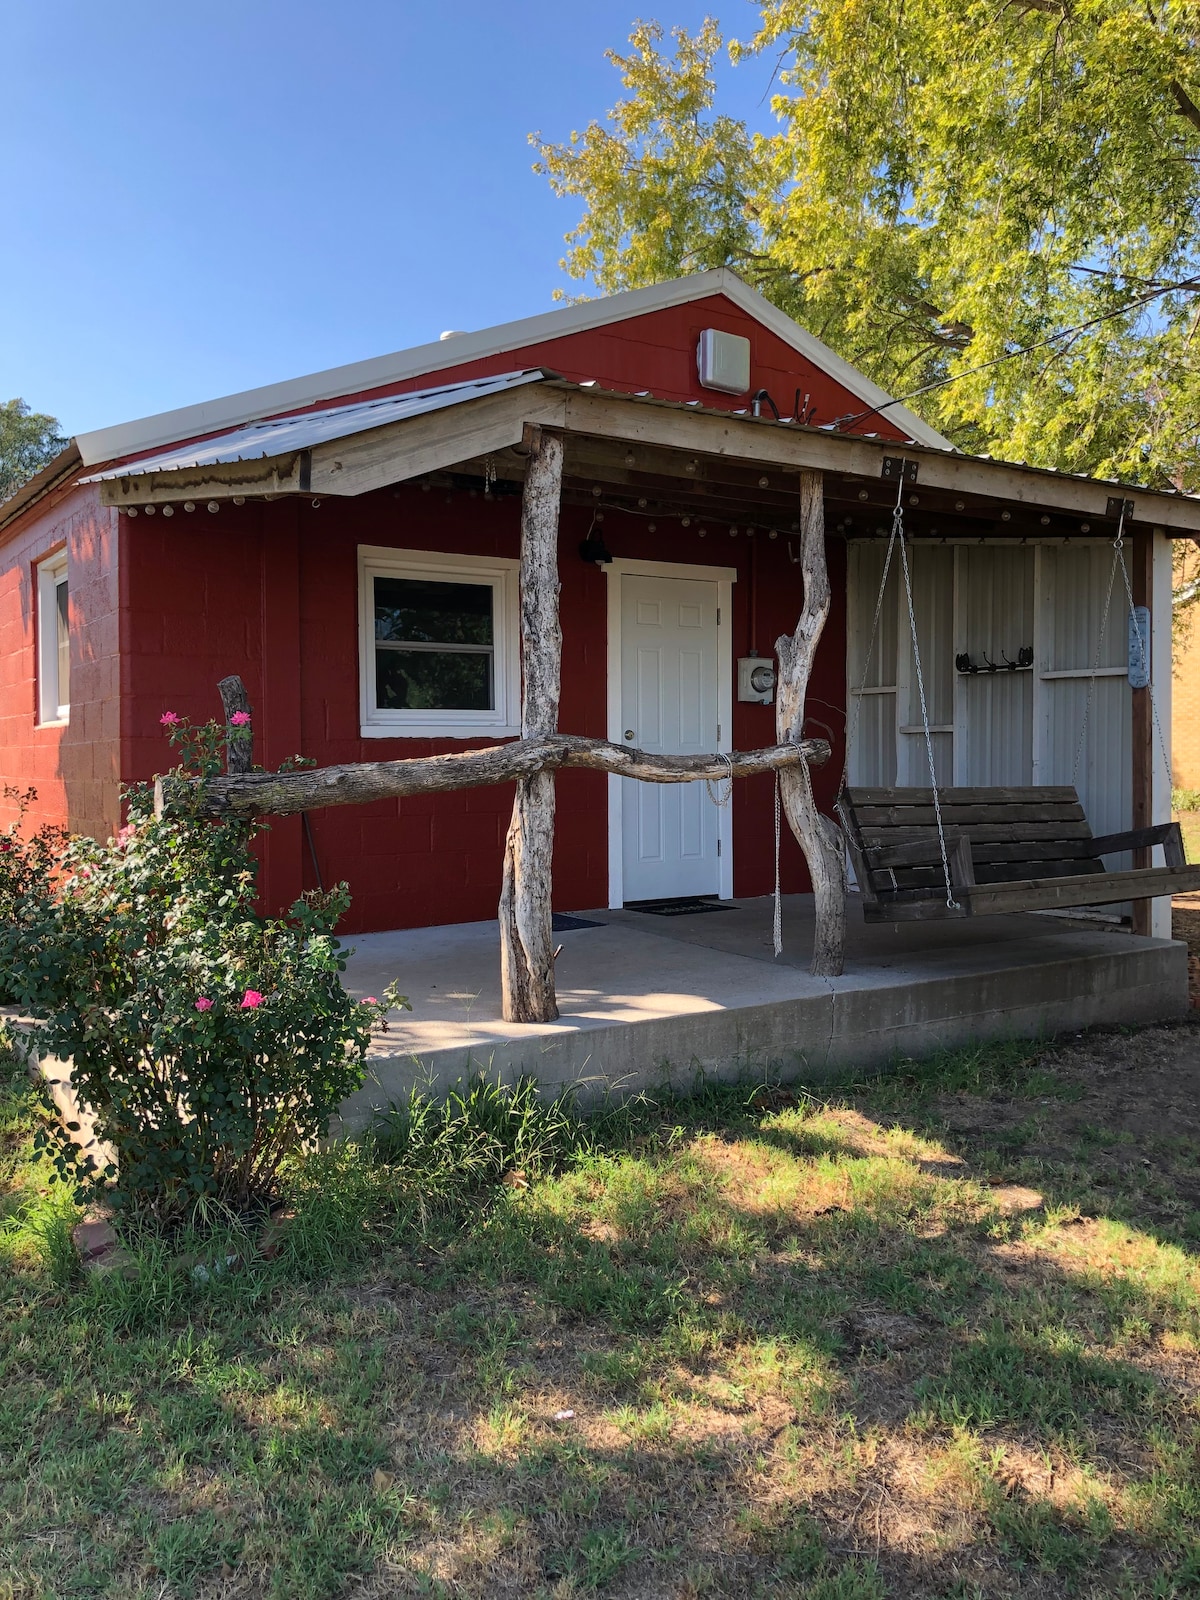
[[205, 197]]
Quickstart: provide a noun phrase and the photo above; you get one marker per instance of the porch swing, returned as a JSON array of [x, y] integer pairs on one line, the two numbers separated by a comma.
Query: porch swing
[[924, 854]]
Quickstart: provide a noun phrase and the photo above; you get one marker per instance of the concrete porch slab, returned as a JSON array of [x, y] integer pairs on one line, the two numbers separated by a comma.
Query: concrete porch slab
[[649, 999]]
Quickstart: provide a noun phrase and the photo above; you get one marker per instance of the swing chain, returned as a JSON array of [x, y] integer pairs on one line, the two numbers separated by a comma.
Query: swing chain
[[852, 731], [1118, 561], [951, 903]]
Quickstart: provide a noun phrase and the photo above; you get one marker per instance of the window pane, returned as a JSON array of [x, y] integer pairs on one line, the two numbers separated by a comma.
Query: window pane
[[64, 644], [433, 680], [415, 611]]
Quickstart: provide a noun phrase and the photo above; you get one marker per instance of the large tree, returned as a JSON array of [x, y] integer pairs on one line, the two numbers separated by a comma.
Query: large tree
[[948, 182], [28, 440]]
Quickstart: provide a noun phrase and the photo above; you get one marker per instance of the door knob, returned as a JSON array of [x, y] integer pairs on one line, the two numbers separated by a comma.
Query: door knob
[[628, 735]]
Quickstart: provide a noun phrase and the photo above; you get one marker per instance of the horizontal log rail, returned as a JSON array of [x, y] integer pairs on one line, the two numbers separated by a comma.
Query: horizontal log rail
[[253, 794]]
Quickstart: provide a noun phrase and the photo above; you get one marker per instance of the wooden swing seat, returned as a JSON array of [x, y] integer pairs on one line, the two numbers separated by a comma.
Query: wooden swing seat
[[1008, 850]]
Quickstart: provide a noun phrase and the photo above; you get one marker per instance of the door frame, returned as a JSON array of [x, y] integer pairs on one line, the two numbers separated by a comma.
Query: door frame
[[724, 578]]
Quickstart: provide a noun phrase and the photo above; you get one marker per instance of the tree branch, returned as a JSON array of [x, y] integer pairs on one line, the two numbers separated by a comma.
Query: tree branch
[[1187, 106], [255, 794]]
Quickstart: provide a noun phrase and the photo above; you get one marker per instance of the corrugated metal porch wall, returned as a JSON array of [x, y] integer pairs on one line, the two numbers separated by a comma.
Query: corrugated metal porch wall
[[991, 600]]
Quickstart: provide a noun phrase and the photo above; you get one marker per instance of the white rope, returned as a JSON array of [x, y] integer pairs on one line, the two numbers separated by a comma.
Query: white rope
[[777, 921], [951, 903]]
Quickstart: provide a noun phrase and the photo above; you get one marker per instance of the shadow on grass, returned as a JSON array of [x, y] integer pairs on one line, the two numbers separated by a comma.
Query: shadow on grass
[[749, 1344]]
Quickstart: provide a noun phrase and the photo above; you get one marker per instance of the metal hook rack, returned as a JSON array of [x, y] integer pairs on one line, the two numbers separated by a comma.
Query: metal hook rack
[[965, 667]]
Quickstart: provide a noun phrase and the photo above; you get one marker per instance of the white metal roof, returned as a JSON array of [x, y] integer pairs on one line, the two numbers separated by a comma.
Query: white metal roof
[[126, 439], [282, 435]]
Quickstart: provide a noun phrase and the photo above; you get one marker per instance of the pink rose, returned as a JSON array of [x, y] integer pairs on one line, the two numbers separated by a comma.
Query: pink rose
[[251, 1000], [240, 719], [169, 719], [371, 1000], [203, 1004]]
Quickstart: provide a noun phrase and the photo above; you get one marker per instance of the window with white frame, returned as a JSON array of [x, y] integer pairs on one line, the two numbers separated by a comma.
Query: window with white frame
[[54, 640], [439, 653]]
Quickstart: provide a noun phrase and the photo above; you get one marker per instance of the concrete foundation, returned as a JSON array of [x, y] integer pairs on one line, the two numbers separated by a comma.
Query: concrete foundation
[[648, 999]]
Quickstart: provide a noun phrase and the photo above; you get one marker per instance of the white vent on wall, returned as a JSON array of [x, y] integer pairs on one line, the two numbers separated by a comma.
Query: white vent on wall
[[723, 361]]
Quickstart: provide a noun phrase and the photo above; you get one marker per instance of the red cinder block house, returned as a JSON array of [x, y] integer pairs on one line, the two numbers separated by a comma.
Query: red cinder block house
[[348, 544]]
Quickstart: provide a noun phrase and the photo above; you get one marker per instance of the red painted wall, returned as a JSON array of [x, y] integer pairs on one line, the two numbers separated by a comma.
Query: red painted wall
[[270, 591], [74, 768], [657, 352]]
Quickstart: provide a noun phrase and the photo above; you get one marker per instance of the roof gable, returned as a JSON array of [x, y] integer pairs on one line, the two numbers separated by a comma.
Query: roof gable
[[633, 335]]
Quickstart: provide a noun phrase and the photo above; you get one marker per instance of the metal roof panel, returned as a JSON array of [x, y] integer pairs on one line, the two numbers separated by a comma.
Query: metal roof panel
[[279, 436]]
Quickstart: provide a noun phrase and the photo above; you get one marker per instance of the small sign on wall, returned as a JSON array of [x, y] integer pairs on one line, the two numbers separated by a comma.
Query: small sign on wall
[[1139, 647]]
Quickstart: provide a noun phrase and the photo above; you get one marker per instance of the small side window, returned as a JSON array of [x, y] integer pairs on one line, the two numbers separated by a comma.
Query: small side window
[[54, 640]]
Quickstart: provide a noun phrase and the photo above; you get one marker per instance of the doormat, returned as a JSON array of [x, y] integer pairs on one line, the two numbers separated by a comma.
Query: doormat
[[560, 922], [687, 907]]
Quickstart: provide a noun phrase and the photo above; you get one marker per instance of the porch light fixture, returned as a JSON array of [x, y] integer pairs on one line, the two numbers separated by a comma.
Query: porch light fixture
[[594, 550]]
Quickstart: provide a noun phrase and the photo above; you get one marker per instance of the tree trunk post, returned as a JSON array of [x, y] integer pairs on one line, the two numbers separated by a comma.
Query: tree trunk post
[[818, 836], [239, 738], [526, 942]]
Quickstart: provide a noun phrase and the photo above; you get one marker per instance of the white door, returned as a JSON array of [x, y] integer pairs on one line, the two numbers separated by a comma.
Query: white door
[[669, 704]]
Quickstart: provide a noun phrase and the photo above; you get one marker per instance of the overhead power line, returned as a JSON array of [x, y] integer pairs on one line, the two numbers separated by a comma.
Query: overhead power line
[[1025, 350]]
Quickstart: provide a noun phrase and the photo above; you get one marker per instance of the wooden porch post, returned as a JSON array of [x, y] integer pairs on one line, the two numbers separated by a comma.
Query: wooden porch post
[[526, 945], [1142, 579], [819, 838]]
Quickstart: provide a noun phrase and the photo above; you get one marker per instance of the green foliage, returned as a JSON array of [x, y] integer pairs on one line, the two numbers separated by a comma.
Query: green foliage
[[207, 1042], [28, 440], [948, 182], [1185, 799], [477, 1135]]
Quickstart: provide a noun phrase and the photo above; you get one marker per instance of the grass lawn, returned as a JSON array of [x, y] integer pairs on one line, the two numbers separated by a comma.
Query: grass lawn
[[1189, 823], [935, 1337]]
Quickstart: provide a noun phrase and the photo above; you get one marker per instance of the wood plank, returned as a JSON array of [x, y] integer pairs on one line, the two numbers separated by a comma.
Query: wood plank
[[899, 879], [921, 852], [1103, 889], [979, 833], [768, 442], [916, 816], [957, 796], [931, 907]]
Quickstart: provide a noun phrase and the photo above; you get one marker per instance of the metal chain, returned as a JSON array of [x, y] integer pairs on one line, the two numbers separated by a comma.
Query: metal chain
[[852, 731], [897, 519], [1118, 561], [714, 794]]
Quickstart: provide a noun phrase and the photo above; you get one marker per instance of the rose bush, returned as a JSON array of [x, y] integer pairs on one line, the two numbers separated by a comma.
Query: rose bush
[[207, 1041]]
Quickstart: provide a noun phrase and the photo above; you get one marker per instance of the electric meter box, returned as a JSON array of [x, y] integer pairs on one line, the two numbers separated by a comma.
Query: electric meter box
[[756, 679], [723, 361]]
